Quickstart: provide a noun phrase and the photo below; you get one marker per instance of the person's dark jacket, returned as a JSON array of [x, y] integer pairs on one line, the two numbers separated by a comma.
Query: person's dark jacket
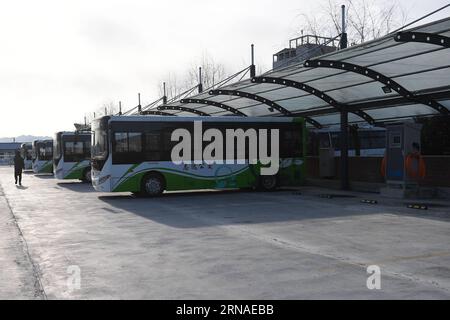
[[19, 164]]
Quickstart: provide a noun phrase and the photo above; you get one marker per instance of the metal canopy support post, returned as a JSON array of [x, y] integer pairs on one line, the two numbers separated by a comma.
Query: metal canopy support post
[[200, 82], [215, 104], [164, 93], [252, 66], [345, 185], [176, 108], [344, 31], [318, 93]]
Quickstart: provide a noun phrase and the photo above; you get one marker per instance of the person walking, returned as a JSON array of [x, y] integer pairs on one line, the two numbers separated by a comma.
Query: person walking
[[19, 165]]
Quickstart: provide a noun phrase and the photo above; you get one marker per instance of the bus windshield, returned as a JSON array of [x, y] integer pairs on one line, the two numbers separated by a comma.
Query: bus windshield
[[57, 146], [45, 150], [100, 140]]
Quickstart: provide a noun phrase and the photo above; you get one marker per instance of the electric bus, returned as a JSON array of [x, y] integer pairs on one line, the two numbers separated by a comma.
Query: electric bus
[[71, 155], [42, 156], [26, 151], [363, 142], [133, 154]]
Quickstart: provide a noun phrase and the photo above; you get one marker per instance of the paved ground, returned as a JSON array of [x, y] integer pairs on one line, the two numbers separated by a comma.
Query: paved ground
[[214, 245]]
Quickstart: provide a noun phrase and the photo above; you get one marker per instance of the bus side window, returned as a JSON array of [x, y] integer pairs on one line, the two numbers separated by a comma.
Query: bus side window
[[121, 142], [127, 147], [290, 142], [153, 148], [87, 149], [134, 142]]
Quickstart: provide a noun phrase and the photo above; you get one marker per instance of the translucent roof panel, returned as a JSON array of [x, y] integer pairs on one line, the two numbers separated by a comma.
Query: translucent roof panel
[[356, 93], [426, 80], [332, 119], [414, 110]]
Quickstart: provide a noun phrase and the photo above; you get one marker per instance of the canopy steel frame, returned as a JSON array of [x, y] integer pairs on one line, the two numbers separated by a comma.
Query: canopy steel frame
[[214, 104], [177, 108], [389, 82], [318, 93], [339, 88], [262, 100], [423, 37]]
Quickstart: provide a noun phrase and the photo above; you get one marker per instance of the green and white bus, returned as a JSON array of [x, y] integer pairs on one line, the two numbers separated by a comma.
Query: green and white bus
[[72, 156], [26, 151], [42, 156], [133, 154]]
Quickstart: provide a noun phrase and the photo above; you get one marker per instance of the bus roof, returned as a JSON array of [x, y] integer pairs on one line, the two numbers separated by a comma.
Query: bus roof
[[43, 141], [198, 118], [73, 133]]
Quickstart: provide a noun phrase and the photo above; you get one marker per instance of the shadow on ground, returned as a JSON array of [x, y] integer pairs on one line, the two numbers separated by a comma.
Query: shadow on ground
[[44, 176], [211, 208], [76, 186]]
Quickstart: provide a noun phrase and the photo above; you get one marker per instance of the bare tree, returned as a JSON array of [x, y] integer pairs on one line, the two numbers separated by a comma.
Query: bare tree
[[365, 20], [109, 108], [173, 86], [212, 72]]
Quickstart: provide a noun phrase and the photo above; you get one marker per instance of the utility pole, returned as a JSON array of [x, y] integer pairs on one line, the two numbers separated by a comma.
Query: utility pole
[[345, 183], [120, 108]]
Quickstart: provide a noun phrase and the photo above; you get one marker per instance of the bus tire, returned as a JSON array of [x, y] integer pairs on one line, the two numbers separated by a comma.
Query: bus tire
[[87, 175], [153, 184], [268, 183]]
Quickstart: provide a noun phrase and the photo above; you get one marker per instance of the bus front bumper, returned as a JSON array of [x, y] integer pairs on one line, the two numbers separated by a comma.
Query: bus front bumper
[[101, 183]]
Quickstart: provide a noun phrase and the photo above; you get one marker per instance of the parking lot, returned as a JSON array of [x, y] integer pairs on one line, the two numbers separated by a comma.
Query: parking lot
[[215, 245]]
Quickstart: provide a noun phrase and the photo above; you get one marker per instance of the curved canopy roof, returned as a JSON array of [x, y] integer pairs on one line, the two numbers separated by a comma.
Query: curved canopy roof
[[399, 76]]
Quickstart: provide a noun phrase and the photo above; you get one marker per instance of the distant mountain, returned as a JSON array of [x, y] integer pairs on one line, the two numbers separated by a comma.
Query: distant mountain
[[24, 138]]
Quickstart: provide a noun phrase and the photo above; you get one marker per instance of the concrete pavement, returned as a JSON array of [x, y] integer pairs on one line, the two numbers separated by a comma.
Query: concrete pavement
[[215, 245]]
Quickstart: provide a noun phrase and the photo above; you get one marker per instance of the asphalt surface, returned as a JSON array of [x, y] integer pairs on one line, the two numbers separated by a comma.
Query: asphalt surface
[[62, 240]]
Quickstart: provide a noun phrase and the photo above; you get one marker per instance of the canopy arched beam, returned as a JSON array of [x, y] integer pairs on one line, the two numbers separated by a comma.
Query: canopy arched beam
[[318, 93], [262, 100], [214, 104], [156, 113], [177, 108], [389, 82], [423, 38]]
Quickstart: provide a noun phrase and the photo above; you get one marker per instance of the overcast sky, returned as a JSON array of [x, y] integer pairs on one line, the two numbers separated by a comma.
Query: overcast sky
[[62, 59]]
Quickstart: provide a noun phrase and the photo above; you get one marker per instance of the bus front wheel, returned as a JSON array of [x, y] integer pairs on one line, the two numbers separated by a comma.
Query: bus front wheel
[[152, 185], [87, 175], [268, 183]]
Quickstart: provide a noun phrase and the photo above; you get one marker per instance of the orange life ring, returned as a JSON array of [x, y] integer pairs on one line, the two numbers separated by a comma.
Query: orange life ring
[[412, 170], [383, 166]]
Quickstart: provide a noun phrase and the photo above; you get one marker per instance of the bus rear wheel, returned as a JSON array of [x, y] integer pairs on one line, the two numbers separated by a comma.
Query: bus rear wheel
[[268, 183], [152, 185]]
